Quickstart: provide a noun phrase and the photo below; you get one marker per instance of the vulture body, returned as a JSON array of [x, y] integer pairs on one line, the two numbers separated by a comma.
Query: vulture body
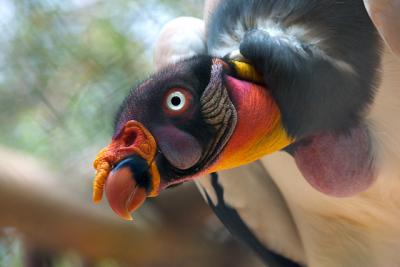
[[269, 204]]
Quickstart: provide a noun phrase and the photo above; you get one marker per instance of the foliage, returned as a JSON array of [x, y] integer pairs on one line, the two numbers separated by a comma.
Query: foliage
[[65, 67]]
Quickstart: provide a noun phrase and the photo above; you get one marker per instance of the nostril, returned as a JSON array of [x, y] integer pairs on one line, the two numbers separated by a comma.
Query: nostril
[[130, 139]]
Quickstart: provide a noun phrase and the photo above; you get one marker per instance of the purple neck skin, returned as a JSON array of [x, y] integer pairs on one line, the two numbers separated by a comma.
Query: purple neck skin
[[339, 165]]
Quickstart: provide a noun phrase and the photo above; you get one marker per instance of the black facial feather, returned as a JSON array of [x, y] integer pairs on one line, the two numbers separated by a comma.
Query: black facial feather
[[325, 81]]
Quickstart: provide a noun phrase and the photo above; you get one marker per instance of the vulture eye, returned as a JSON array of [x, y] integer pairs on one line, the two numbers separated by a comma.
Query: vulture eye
[[177, 101]]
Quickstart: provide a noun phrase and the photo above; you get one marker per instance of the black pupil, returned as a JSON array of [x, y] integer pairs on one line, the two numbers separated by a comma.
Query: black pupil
[[176, 101]]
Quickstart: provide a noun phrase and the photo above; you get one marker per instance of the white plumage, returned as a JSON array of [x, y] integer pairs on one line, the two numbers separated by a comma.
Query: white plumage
[[180, 38], [385, 15]]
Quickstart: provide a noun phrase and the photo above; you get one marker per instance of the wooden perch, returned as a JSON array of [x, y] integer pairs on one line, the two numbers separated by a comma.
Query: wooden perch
[[32, 201]]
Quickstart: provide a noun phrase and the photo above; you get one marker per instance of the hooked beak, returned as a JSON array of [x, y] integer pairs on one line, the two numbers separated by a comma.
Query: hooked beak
[[126, 170]]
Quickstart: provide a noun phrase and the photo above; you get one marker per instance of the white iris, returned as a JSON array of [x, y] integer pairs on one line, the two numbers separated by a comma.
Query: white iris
[[176, 101]]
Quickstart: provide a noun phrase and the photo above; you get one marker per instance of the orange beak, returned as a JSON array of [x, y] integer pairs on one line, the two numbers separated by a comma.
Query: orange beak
[[123, 191]]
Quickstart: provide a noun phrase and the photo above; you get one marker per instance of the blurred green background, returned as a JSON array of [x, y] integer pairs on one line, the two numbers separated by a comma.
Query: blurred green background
[[65, 67]]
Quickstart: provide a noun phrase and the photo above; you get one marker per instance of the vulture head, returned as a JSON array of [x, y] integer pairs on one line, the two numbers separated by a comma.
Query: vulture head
[[195, 117]]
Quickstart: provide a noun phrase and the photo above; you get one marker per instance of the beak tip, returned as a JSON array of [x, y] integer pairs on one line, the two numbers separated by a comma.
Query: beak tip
[[123, 193], [127, 217]]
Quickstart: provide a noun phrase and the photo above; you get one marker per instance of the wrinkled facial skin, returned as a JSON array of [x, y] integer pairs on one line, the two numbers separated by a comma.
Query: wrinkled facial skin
[[181, 134]]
